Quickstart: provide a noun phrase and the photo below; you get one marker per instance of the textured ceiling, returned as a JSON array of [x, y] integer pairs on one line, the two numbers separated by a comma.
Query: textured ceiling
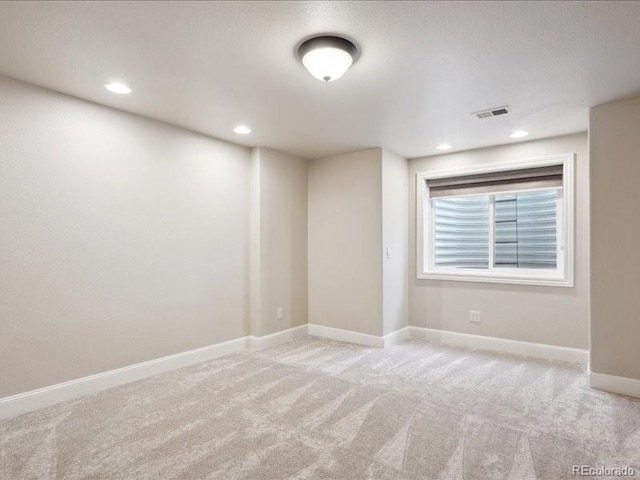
[[424, 67]]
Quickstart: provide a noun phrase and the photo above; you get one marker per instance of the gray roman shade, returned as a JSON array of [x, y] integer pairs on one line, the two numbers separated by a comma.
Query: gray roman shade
[[503, 181]]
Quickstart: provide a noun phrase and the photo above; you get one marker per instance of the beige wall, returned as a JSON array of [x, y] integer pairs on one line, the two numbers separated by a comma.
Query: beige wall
[[395, 194], [550, 315], [614, 148], [279, 247], [345, 241], [254, 319], [123, 239]]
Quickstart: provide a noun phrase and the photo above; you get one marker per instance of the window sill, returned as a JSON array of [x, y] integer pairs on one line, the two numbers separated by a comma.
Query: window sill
[[483, 277]]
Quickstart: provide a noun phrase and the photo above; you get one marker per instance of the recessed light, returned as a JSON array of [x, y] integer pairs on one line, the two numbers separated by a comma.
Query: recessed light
[[327, 57], [444, 146], [518, 134], [118, 87], [242, 130]]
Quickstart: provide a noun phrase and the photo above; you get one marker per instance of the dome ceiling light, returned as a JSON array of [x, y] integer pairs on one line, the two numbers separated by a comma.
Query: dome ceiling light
[[327, 57]]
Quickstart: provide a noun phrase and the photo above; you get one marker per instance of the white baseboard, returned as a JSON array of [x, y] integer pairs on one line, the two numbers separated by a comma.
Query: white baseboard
[[47, 396], [503, 345], [365, 339], [615, 384], [346, 335], [267, 341], [516, 347], [396, 337]]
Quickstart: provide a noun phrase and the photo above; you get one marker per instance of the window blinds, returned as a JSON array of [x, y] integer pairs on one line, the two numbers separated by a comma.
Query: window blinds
[[526, 230], [495, 182], [462, 232], [524, 227]]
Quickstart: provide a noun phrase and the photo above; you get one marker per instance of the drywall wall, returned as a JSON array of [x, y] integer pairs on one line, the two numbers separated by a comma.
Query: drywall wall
[[550, 315], [253, 320], [123, 239], [279, 241], [395, 232], [345, 241], [614, 149]]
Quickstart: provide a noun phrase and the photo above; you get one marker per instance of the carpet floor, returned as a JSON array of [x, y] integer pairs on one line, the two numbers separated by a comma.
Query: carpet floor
[[318, 409]]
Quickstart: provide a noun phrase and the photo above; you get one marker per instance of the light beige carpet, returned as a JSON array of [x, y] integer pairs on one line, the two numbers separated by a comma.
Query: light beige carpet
[[318, 409]]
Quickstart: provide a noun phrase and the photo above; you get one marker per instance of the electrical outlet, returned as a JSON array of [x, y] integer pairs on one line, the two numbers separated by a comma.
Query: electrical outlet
[[280, 313], [474, 316]]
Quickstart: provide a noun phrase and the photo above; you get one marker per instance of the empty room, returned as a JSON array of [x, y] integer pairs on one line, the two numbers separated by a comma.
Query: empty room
[[299, 240]]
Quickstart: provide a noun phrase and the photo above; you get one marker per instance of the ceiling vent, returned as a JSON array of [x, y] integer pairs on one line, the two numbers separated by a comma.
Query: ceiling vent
[[493, 112]]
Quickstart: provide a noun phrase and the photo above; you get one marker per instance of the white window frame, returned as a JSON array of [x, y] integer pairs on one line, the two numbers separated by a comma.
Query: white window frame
[[561, 277]]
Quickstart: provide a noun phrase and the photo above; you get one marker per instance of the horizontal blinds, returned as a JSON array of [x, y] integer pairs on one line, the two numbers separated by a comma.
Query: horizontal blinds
[[526, 230], [462, 232], [495, 182]]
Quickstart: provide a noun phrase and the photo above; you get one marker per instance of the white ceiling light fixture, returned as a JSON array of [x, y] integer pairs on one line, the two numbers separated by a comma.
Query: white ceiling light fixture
[[327, 57], [518, 134], [444, 146], [118, 87], [242, 130]]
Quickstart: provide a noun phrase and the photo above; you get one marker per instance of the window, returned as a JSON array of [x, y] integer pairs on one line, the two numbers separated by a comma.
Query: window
[[507, 223]]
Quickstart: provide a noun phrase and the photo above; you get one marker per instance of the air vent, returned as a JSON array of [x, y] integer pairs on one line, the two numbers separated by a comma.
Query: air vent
[[493, 112]]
